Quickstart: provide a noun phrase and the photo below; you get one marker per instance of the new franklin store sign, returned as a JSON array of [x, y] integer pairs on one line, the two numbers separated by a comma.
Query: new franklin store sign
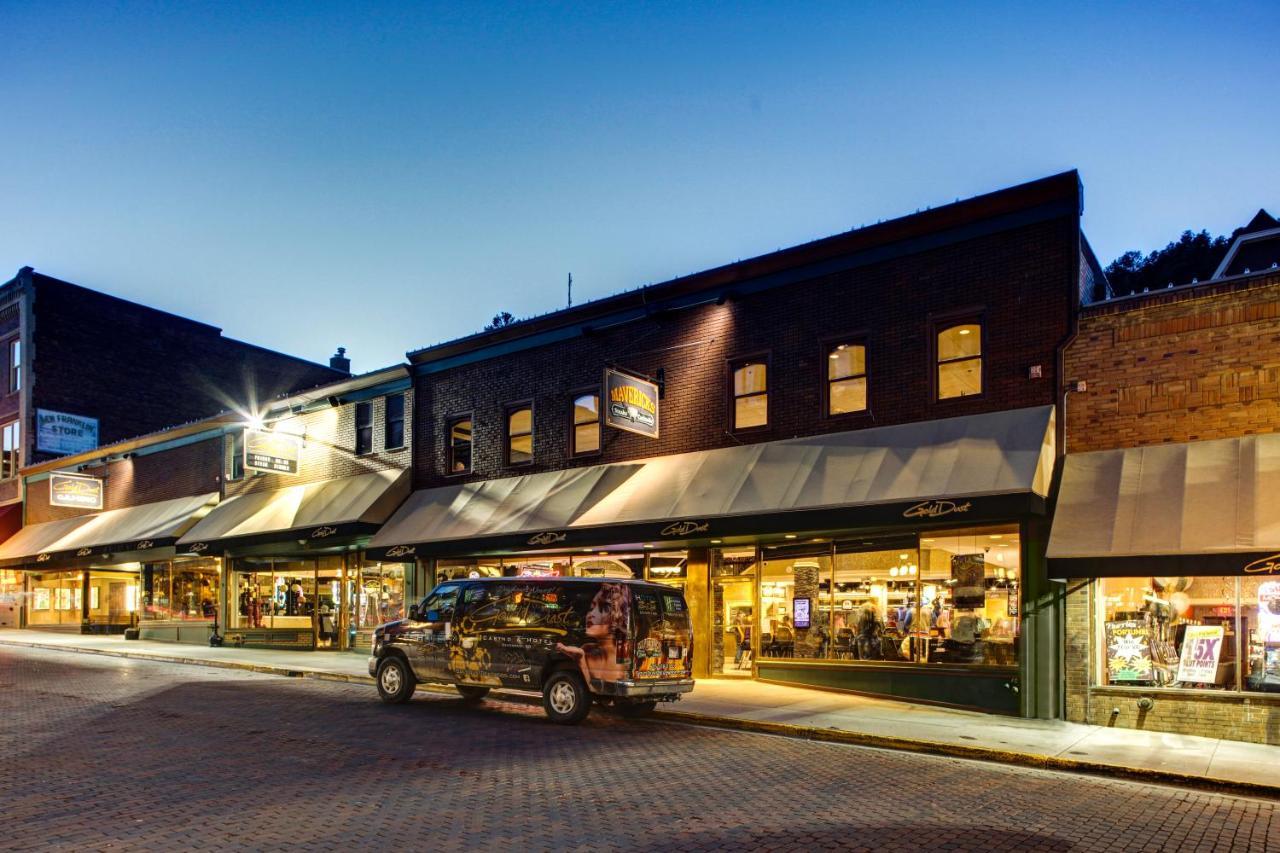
[[884, 519]]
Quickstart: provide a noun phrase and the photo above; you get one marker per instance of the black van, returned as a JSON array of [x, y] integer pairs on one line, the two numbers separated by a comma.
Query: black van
[[619, 642]]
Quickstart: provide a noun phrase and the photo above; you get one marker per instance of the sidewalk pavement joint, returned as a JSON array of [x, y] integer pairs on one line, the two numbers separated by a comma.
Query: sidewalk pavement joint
[[742, 722]]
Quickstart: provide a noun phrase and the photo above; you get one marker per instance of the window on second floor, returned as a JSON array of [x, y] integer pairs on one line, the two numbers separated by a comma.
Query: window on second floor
[[15, 365], [364, 428], [959, 349], [520, 435], [586, 424], [235, 456], [846, 379], [459, 449], [750, 390], [393, 423], [11, 458]]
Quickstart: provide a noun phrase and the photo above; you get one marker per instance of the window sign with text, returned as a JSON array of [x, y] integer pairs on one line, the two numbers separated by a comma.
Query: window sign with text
[[274, 452], [65, 434], [631, 403]]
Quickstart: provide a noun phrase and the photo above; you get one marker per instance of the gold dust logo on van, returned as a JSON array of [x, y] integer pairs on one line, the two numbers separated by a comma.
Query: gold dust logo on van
[[547, 538], [933, 509], [1265, 566], [685, 528]]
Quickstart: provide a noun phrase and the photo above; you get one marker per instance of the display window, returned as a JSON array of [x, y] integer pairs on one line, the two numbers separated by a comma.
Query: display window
[[379, 596], [181, 590], [1191, 633], [114, 599], [51, 598], [951, 597]]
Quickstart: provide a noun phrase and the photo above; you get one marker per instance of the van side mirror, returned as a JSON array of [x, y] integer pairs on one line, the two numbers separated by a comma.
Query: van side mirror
[[413, 612]]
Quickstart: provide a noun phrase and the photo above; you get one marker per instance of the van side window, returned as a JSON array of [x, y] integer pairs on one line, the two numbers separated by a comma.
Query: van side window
[[474, 594], [672, 604]]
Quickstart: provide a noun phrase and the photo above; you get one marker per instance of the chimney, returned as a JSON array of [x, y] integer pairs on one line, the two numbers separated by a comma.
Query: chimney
[[339, 361]]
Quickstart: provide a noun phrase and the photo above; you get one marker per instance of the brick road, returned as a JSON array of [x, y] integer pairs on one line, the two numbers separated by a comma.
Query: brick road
[[104, 753]]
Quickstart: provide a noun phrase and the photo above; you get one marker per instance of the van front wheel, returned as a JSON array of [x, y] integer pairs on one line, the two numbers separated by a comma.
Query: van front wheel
[[565, 698], [395, 682]]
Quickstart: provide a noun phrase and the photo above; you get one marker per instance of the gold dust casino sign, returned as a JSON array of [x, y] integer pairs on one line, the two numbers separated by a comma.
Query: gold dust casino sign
[[275, 452], [79, 492], [630, 403]]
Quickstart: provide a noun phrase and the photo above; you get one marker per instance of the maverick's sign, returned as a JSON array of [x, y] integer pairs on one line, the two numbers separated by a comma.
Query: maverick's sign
[[630, 403], [275, 452], [78, 492]]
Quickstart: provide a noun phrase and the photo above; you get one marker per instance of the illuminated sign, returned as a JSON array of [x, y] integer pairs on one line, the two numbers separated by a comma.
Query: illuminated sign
[[800, 612], [274, 452], [630, 403], [64, 434], [72, 491]]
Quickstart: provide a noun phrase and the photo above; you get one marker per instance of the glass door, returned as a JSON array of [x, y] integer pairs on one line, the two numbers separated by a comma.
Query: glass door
[[733, 595]]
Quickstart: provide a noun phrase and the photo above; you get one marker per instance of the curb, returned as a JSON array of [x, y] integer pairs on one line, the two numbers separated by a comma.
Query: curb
[[813, 733], [976, 753]]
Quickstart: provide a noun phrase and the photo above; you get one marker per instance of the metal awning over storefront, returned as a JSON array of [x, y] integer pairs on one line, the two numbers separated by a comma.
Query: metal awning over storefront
[[1195, 508], [130, 529], [316, 512], [963, 469]]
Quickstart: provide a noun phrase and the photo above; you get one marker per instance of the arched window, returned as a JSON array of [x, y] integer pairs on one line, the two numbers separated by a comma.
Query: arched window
[[586, 424], [520, 435], [750, 395], [460, 445], [960, 361], [846, 379]]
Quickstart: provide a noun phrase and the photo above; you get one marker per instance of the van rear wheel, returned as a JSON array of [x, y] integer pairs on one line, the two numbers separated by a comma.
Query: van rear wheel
[[395, 682], [565, 698], [471, 692]]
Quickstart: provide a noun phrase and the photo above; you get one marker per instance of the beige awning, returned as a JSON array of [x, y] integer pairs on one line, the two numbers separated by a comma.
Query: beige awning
[[131, 528], [317, 510], [891, 468], [1196, 498]]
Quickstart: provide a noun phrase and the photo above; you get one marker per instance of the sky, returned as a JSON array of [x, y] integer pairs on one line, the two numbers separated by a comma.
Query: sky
[[388, 176]]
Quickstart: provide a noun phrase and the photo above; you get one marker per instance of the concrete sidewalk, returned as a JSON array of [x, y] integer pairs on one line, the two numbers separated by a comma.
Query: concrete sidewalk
[[820, 715]]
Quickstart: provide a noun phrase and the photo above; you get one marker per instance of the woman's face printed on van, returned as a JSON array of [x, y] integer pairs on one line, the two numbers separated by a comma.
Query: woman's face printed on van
[[609, 611]]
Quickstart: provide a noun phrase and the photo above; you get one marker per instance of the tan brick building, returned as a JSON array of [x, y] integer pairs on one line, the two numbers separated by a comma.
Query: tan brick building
[[1167, 523], [247, 525]]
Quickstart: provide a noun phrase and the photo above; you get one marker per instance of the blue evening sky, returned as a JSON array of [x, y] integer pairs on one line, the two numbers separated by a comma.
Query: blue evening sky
[[385, 177]]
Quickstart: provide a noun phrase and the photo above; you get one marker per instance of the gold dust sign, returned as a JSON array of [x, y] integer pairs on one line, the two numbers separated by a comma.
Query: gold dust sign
[[79, 492], [274, 452], [630, 403]]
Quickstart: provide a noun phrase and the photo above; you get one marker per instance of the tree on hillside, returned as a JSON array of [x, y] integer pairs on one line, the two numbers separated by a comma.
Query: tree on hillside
[[502, 318], [1193, 257]]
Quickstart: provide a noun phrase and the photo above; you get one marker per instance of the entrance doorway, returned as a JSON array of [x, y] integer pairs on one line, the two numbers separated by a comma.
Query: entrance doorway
[[733, 596]]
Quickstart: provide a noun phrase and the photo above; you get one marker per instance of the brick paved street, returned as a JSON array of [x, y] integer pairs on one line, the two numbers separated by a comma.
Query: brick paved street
[[100, 753]]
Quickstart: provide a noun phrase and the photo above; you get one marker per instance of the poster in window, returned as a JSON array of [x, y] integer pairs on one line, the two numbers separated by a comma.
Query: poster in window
[[64, 598], [970, 590], [273, 452], [93, 598], [1129, 651], [631, 403], [1201, 649], [40, 598], [77, 599], [800, 612]]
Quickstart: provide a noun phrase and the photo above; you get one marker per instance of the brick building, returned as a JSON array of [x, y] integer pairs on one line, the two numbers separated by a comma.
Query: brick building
[[1167, 531], [82, 368], [251, 529], [854, 442]]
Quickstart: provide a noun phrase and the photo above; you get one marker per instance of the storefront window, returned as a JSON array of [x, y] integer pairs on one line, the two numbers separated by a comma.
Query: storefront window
[[1260, 632], [608, 565], [1170, 632], [733, 574], [113, 598], [452, 570], [969, 594], [795, 604], [669, 567], [274, 594], [52, 598], [180, 589], [379, 597], [874, 604]]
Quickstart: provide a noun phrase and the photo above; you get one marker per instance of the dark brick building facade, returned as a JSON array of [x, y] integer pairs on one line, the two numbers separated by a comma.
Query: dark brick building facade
[[1011, 259]]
